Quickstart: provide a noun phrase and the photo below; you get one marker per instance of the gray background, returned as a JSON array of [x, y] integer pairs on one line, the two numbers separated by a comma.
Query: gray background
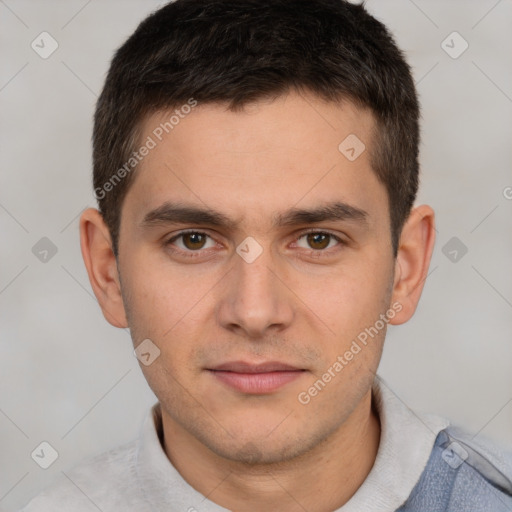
[[69, 378]]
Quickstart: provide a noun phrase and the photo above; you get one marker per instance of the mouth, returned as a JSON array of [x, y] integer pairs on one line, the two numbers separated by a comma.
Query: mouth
[[261, 378]]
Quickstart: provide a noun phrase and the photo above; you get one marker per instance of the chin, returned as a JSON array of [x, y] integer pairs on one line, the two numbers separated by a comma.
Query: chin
[[254, 453], [261, 449]]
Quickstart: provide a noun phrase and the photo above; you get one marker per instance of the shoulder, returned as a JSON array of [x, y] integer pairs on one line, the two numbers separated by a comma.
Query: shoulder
[[485, 457], [102, 482], [464, 473]]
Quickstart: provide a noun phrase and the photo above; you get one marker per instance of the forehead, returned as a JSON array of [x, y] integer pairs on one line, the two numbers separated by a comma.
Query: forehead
[[270, 155], [265, 125]]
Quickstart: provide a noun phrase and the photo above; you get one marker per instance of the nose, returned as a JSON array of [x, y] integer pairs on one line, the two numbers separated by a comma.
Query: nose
[[256, 299]]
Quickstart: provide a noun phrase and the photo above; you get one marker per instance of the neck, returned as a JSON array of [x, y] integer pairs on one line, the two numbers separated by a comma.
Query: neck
[[323, 479]]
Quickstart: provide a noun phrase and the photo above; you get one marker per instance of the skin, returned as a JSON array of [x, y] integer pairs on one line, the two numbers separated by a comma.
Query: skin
[[300, 302]]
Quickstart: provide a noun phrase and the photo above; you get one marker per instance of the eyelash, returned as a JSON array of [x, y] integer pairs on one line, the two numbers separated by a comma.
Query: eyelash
[[193, 254]]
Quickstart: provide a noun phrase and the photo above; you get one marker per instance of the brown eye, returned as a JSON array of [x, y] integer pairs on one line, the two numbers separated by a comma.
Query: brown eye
[[318, 240], [193, 240], [321, 242]]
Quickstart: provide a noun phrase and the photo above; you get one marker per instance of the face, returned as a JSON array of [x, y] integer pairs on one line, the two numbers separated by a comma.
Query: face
[[255, 303]]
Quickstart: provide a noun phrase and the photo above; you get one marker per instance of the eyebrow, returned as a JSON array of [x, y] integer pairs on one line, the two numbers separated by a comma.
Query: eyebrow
[[337, 211], [179, 213]]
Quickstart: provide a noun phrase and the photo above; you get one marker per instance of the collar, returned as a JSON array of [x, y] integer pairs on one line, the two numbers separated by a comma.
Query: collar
[[406, 442]]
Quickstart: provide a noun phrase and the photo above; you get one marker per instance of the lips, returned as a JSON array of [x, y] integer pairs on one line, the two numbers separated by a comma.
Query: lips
[[260, 378], [243, 367]]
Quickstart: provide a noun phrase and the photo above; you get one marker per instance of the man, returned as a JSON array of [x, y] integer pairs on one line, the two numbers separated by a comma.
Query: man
[[256, 166]]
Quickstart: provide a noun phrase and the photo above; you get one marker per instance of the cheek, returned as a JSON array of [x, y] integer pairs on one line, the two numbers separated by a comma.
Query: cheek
[[168, 307], [158, 295], [351, 301], [150, 300], [354, 292]]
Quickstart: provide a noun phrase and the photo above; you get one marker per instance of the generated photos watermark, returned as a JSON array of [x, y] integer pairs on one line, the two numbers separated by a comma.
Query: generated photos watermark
[[150, 143], [361, 341]]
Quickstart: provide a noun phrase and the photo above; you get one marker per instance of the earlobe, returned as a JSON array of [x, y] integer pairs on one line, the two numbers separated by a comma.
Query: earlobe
[[101, 266], [412, 262]]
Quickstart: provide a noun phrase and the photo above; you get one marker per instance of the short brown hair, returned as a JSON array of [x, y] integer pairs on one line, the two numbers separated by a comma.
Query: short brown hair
[[239, 51]]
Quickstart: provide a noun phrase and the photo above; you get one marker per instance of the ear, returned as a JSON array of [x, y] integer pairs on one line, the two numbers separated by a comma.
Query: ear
[[101, 266], [412, 261]]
